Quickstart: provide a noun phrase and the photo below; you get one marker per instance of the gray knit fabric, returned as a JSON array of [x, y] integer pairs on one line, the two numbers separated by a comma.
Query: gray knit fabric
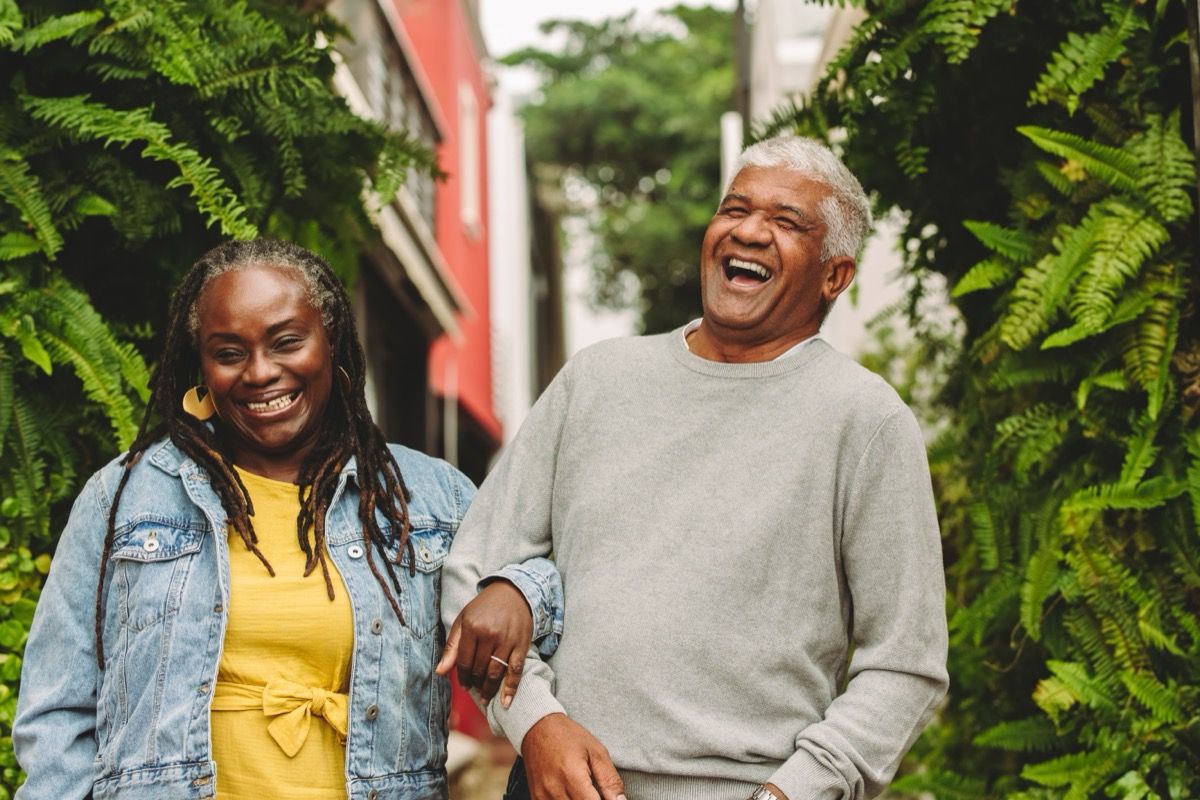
[[727, 535]]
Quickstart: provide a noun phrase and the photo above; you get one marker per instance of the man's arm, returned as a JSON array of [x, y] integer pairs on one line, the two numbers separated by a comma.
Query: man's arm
[[891, 550], [508, 523]]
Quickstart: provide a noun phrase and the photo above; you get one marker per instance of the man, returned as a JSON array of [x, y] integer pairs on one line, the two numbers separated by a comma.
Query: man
[[745, 529]]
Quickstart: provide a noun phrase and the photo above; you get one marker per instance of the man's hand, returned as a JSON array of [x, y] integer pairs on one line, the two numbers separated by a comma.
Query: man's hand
[[565, 762], [497, 624]]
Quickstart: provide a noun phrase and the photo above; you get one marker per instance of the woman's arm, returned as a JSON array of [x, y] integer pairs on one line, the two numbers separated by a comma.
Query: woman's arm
[[54, 732]]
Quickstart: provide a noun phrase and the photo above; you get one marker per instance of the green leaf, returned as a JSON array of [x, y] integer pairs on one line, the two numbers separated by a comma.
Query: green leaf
[[31, 346], [1109, 164], [17, 245]]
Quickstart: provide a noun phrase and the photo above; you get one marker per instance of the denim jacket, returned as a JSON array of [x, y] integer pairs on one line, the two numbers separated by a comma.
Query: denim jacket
[[139, 729]]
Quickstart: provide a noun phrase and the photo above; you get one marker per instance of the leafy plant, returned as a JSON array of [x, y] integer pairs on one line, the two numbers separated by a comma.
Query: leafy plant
[[1059, 202], [134, 135]]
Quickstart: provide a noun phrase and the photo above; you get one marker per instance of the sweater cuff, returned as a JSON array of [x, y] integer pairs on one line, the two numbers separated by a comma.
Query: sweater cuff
[[533, 701], [803, 777]]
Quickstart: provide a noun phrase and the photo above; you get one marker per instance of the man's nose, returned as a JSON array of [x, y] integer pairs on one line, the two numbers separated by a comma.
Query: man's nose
[[752, 230]]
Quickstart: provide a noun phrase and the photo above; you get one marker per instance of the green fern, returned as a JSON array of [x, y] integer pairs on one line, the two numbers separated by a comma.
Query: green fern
[[1110, 164], [95, 121], [955, 24], [56, 28], [987, 274], [1015, 245], [23, 192], [10, 22], [1028, 735], [1083, 58], [1041, 580]]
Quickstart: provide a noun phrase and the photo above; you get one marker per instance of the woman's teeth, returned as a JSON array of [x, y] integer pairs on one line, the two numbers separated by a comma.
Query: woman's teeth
[[273, 405]]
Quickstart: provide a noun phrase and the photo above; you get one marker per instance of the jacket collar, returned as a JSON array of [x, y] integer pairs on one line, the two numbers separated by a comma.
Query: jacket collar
[[167, 456]]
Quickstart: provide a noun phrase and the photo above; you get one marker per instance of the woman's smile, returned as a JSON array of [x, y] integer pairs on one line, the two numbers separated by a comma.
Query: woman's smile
[[267, 360]]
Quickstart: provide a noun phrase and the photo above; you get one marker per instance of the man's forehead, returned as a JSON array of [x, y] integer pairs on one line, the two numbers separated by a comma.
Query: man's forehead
[[753, 176]]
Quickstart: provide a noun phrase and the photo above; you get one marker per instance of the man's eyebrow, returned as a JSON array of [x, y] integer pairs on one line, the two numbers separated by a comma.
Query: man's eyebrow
[[734, 196]]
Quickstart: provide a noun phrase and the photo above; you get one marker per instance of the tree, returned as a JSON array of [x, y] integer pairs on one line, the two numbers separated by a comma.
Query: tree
[[1039, 153], [629, 118], [134, 135]]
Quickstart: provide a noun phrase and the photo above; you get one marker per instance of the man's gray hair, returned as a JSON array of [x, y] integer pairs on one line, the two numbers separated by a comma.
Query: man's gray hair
[[846, 212]]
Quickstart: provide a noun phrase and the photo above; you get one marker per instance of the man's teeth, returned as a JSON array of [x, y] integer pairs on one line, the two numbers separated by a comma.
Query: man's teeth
[[272, 405], [750, 266]]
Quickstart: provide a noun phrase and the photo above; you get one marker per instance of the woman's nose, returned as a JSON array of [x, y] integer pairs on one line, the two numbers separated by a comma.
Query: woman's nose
[[260, 369]]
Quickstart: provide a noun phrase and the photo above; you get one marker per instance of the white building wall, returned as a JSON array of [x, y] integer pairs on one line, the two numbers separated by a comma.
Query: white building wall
[[509, 251]]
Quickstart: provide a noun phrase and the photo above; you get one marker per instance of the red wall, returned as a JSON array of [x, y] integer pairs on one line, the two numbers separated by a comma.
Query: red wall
[[446, 52]]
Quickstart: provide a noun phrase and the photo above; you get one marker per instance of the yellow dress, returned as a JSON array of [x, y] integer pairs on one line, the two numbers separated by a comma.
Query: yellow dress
[[280, 703]]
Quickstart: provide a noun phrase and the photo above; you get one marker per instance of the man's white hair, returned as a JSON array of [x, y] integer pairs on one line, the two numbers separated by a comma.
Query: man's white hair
[[846, 212]]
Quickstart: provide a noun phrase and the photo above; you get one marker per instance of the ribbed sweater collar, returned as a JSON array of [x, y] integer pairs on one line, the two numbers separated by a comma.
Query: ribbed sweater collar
[[810, 353]]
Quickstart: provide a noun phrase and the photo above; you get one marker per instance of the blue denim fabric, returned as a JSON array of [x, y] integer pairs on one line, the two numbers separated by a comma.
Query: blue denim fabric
[[139, 730]]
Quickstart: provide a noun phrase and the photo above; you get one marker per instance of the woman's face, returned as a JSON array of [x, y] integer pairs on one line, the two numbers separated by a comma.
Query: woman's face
[[267, 360]]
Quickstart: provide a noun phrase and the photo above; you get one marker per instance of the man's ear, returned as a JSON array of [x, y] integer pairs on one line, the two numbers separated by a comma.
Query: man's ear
[[838, 278]]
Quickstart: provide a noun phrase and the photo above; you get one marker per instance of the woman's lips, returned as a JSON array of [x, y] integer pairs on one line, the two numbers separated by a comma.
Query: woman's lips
[[281, 403]]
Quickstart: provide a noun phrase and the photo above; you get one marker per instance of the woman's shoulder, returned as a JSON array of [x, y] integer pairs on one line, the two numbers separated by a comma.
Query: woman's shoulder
[[439, 490]]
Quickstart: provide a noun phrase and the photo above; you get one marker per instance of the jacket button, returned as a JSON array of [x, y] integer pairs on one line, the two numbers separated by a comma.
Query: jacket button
[[372, 711], [218, 608], [151, 544], [377, 626], [372, 795], [204, 687], [354, 551]]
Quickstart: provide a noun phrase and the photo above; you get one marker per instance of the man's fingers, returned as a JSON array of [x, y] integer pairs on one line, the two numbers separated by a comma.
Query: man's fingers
[[465, 662], [516, 667], [605, 776], [450, 652]]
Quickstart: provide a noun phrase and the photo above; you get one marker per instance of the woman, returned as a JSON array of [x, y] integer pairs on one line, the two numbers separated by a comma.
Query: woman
[[290, 655]]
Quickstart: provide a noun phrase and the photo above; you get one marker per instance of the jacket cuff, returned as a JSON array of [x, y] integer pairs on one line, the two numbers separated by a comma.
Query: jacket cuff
[[803, 777], [533, 701]]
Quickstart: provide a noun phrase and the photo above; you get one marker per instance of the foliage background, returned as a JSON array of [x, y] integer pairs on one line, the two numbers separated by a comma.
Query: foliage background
[[135, 135], [1039, 152], [628, 119]]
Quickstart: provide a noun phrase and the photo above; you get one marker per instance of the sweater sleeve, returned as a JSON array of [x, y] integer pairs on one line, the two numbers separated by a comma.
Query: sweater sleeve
[[891, 552], [509, 522]]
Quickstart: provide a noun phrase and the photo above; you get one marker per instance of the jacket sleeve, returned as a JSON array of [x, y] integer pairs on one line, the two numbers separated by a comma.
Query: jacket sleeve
[[891, 551], [54, 732], [509, 522]]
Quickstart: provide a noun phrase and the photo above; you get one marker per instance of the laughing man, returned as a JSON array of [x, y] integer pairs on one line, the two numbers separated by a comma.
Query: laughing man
[[745, 529]]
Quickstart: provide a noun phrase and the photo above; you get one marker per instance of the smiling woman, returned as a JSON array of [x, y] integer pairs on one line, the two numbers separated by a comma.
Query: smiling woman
[[210, 641]]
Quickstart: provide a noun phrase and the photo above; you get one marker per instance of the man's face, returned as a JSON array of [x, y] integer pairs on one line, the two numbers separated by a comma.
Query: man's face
[[763, 282]]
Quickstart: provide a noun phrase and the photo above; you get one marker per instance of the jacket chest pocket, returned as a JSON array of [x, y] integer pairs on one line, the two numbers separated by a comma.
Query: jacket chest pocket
[[421, 586], [151, 562]]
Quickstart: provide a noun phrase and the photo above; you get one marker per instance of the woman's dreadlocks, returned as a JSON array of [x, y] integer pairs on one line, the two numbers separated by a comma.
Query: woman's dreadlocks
[[348, 430]]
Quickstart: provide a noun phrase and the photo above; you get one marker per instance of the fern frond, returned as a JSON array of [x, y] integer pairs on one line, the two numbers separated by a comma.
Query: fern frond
[[1147, 349], [1074, 677], [10, 22], [1083, 772], [1160, 700], [1110, 164], [1165, 173], [983, 529], [1041, 580], [956, 24], [1029, 735], [91, 120], [1037, 431], [1082, 58], [56, 28], [1192, 441], [23, 192], [1015, 245], [1053, 175], [943, 785], [986, 274], [6, 394], [17, 245], [1113, 379]]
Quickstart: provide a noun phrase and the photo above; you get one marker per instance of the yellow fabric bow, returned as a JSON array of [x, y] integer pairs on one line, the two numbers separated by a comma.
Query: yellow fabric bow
[[292, 704]]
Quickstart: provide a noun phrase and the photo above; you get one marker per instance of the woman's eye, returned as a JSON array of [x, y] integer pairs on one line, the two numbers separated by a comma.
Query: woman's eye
[[288, 343], [227, 356]]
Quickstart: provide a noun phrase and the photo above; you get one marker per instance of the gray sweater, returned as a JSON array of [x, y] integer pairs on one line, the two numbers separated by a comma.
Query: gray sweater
[[727, 534]]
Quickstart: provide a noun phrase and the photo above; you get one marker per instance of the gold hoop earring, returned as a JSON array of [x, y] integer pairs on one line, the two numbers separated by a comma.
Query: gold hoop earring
[[201, 408], [344, 377]]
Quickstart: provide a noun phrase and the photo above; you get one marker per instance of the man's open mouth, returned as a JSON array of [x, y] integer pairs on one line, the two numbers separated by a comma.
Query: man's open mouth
[[277, 404], [742, 272]]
